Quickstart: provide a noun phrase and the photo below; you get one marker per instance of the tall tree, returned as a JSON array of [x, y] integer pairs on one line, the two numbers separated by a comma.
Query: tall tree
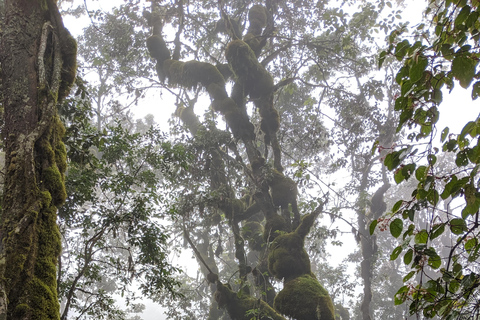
[[38, 59]]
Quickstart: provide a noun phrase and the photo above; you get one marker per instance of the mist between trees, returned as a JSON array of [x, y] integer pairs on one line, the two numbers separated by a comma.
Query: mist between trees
[[302, 164]]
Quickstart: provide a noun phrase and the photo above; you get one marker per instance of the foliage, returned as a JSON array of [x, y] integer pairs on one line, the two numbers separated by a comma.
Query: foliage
[[114, 238], [438, 225]]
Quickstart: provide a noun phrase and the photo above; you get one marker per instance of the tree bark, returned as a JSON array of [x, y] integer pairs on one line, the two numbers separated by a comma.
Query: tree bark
[[38, 68]]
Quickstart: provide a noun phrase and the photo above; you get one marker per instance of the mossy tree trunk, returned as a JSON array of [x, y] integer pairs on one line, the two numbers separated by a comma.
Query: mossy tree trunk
[[38, 68], [273, 191]]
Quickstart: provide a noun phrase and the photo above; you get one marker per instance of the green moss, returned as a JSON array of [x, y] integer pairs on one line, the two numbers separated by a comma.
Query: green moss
[[21, 310], [288, 259], [189, 74], [284, 190], [255, 79], [217, 91], [257, 16], [252, 231], [158, 48], [69, 64], [274, 227], [304, 298], [244, 307], [53, 181]]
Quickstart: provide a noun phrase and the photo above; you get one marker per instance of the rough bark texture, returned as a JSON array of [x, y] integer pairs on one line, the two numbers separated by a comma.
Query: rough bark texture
[[38, 68]]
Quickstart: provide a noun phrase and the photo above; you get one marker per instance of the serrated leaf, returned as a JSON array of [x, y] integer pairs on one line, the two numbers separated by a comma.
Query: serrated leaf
[[396, 227]]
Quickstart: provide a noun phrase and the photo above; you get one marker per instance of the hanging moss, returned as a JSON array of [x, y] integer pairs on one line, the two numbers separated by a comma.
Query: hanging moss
[[242, 306], [303, 298], [275, 226], [256, 80], [69, 65], [284, 190], [288, 259], [257, 17], [225, 70], [252, 231]]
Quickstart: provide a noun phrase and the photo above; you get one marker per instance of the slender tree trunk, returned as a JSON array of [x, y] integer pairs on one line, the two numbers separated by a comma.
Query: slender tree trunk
[[38, 68]]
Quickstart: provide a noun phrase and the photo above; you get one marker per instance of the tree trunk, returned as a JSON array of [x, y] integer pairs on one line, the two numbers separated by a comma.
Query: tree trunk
[[38, 68]]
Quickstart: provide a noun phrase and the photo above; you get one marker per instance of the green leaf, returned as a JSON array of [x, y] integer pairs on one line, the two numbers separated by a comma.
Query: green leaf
[[435, 261], [396, 252], [476, 90], [396, 227], [417, 69], [462, 16], [397, 206], [420, 174], [437, 96], [408, 169], [372, 226], [398, 176], [409, 276], [458, 226], [461, 159], [401, 49], [381, 58], [470, 244], [401, 295], [467, 129], [407, 258], [421, 237], [444, 134], [463, 69], [393, 160], [437, 230]]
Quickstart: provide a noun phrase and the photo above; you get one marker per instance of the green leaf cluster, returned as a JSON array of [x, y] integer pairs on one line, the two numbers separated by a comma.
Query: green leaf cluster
[[442, 279]]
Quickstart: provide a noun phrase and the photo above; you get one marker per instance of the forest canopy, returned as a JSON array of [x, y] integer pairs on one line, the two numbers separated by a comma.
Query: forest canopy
[[295, 162]]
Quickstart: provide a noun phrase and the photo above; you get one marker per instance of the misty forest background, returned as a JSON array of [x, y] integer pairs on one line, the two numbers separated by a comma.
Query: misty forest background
[[295, 168]]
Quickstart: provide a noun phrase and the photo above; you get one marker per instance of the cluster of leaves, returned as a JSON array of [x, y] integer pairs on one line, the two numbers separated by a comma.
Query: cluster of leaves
[[113, 235], [441, 245]]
